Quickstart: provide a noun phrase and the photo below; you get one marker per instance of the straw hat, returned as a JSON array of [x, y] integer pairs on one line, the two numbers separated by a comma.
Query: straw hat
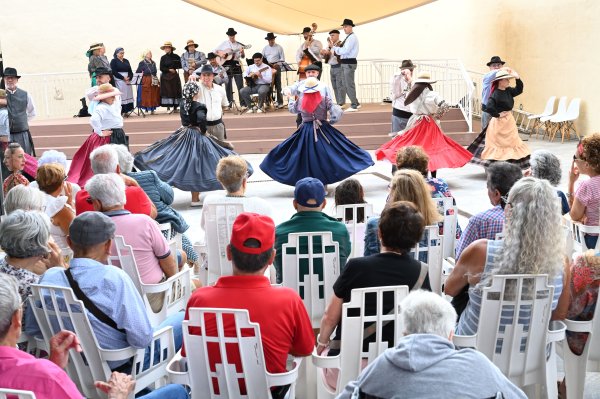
[[167, 44], [503, 74], [424, 77], [106, 90], [310, 85], [190, 43]]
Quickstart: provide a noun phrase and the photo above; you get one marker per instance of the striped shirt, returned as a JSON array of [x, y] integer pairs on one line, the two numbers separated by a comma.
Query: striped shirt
[[469, 321], [483, 225], [588, 194]]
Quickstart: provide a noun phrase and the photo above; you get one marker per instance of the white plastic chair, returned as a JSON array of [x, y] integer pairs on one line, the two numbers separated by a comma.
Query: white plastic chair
[[172, 237], [578, 231], [576, 366], [219, 218], [548, 110], [319, 258], [433, 249], [355, 229], [176, 289], [513, 331], [210, 376], [564, 122], [449, 211], [561, 110], [56, 309], [354, 318], [5, 393]]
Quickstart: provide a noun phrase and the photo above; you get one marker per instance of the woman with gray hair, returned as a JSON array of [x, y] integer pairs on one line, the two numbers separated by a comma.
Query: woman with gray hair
[[161, 194], [546, 165], [533, 244], [25, 237], [27, 198]]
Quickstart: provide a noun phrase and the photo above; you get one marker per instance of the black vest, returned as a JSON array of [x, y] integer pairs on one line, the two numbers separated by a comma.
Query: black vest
[[17, 110]]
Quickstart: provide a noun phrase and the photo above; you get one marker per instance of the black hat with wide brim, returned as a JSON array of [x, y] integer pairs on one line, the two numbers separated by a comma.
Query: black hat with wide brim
[[231, 32], [206, 69], [11, 72], [270, 36], [495, 60], [348, 22]]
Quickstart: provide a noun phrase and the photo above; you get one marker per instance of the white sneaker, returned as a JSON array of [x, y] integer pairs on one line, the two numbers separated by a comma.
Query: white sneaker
[[351, 109], [392, 134], [358, 106], [243, 108], [259, 111]]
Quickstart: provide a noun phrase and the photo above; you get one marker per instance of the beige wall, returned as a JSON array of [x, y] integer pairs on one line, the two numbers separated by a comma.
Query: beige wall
[[552, 43]]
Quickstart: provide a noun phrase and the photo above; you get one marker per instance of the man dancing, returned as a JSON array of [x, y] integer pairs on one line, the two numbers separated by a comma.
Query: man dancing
[[494, 64], [215, 98]]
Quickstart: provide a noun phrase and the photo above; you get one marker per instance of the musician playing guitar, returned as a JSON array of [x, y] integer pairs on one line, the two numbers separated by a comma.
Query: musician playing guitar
[[336, 76], [232, 51], [309, 51], [260, 76]]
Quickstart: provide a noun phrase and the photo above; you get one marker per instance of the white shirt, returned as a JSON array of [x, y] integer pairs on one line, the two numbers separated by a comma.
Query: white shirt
[[104, 118], [265, 77], [4, 123], [273, 53], [93, 92], [350, 48], [30, 105], [314, 48], [399, 88], [229, 47], [297, 89], [214, 99]]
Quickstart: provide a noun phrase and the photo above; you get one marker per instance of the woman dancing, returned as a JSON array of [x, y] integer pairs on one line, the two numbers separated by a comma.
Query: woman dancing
[[107, 124], [316, 149], [500, 140], [426, 105], [188, 158]]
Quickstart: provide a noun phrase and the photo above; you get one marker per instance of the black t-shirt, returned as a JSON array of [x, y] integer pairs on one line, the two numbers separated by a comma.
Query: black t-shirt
[[378, 270]]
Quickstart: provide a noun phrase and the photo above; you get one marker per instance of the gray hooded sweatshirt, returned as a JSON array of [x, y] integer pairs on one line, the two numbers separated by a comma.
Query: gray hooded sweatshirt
[[429, 366]]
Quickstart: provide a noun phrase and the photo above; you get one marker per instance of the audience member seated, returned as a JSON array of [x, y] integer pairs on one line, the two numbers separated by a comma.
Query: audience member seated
[[232, 173], [161, 194], [47, 378], [533, 243], [309, 201], [25, 237], [546, 165], [425, 363], [500, 178], [23, 197], [406, 185], [108, 287], [350, 192], [414, 157], [153, 257], [104, 159], [14, 160], [285, 327], [53, 156], [400, 229], [585, 203], [60, 208]]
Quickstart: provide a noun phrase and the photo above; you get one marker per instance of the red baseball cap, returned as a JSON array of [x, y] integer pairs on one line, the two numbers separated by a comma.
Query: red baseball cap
[[253, 226]]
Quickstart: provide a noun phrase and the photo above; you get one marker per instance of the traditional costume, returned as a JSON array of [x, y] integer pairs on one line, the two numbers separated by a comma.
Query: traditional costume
[[191, 59], [316, 149], [148, 93], [122, 70], [500, 140], [422, 130], [170, 83], [188, 158], [104, 117]]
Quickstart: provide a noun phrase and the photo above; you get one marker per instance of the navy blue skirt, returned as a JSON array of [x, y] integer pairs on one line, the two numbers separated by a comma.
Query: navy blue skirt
[[329, 157], [187, 159]]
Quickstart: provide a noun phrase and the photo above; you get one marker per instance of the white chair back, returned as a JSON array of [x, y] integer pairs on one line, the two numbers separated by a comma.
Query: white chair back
[[360, 323], [573, 109], [548, 109], [433, 252], [219, 219], [560, 110], [447, 228], [356, 229], [513, 330], [228, 359], [11, 393], [172, 237], [578, 232], [176, 289], [56, 309], [310, 264]]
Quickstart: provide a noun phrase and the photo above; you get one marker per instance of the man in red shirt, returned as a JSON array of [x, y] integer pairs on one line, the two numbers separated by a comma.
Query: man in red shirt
[[105, 160], [285, 327]]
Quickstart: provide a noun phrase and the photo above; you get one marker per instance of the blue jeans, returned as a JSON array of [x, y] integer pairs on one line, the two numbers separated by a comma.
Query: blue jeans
[[174, 321], [590, 241], [171, 391]]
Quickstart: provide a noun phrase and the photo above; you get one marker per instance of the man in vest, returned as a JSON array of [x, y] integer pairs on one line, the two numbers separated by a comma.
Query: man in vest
[[20, 111]]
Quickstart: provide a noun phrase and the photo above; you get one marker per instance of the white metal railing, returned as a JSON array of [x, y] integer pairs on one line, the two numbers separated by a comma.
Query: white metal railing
[[57, 95]]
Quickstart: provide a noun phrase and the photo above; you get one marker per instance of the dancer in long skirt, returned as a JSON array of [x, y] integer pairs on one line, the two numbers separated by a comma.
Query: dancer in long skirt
[[316, 149], [422, 129]]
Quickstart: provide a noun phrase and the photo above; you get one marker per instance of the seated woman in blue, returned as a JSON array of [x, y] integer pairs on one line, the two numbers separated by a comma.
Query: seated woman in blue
[[533, 243]]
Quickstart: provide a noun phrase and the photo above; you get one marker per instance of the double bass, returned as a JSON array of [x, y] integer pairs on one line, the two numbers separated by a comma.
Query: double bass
[[307, 58]]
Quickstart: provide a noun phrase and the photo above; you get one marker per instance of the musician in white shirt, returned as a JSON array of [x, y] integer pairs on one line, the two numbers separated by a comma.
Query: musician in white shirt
[[273, 52], [233, 51], [310, 48], [260, 77], [215, 98]]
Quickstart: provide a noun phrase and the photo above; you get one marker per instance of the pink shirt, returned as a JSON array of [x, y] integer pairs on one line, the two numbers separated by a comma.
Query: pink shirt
[[588, 194], [144, 236], [20, 370]]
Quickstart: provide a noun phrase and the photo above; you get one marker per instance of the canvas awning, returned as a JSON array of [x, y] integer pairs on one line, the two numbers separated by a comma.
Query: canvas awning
[[290, 16]]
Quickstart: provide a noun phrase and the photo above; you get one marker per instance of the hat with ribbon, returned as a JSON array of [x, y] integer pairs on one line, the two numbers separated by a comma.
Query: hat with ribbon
[[348, 22], [191, 43], [270, 36], [106, 90], [424, 77], [11, 72], [231, 32], [167, 44]]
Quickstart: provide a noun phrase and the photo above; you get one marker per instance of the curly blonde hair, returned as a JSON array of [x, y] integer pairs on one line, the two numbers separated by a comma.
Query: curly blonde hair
[[534, 240], [413, 157], [591, 151], [409, 185]]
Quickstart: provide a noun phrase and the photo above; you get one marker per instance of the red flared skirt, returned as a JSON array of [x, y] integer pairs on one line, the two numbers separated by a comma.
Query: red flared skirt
[[443, 152], [81, 169]]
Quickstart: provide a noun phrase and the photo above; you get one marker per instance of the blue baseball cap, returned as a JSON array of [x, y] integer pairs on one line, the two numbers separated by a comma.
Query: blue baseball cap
[[309, 192]]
